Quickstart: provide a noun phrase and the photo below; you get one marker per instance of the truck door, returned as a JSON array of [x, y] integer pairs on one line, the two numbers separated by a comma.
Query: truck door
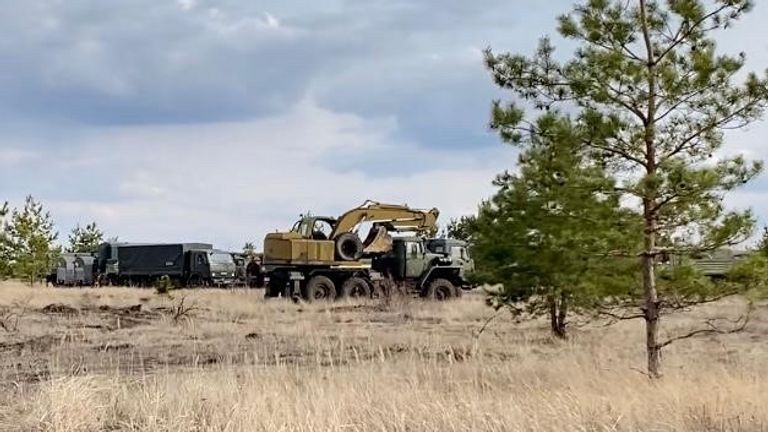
[[200, 264], [414, 260]]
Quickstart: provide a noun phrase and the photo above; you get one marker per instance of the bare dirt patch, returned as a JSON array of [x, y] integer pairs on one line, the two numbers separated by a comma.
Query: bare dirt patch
[[59, 309]]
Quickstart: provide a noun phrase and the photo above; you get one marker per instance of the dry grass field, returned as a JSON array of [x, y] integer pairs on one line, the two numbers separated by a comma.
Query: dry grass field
[[127, 359]]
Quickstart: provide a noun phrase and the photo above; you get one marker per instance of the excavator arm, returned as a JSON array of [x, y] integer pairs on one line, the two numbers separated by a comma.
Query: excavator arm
[[399, 217]]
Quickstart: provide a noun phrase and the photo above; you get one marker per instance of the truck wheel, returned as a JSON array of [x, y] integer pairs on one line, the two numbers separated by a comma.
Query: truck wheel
[[349, 247], [440, 289], [319, 288], [194, 281], [274, 287], [355, 287]]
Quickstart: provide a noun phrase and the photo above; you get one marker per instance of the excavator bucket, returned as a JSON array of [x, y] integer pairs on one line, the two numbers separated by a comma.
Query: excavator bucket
[[378, 242]]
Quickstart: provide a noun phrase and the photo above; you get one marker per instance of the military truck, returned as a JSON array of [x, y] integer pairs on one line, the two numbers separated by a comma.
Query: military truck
[[419, 265], [186, 264], [715, 264], [74, 269], [458, 253], [323, 258]]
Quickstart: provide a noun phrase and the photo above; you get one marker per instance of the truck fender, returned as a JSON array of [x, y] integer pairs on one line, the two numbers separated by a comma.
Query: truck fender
[[447, 272]]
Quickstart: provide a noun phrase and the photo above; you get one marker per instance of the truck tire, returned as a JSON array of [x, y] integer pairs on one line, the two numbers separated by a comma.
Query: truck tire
[[349, 247], [355, 287], [195, 281], [319, 288], [275, 287], [440, 289]]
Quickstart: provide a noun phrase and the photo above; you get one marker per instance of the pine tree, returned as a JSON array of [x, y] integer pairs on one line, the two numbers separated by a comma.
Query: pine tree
[[85, 239], [547, 234], [29, 237], [5, 258], [461, 228], [653, 99], [762, 245]]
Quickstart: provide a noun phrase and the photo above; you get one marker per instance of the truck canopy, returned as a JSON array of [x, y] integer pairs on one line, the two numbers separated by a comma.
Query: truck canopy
[[155, 259]]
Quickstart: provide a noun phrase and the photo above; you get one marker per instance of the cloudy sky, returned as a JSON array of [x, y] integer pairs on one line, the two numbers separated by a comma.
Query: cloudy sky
[[220, 120]]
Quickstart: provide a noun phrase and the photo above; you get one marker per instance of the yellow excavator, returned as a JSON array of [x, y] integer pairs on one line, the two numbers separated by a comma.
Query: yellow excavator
[[318, 240], [324, 258]]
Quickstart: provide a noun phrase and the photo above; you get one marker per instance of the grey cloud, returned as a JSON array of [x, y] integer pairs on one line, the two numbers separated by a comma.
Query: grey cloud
[[226, 182], [150, 61]]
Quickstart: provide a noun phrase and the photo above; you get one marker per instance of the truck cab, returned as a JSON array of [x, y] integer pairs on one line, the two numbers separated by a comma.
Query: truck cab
[[210, 266], [428, 270], [456, 250]]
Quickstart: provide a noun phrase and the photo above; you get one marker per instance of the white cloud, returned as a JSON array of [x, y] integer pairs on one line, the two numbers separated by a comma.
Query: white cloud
[[231, 182], [13, 156], [186, 5], [271, 21]]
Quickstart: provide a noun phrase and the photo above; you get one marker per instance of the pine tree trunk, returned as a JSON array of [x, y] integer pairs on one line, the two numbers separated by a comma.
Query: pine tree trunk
[[562, 315], [557, 315], [651, 309], [650, 212]]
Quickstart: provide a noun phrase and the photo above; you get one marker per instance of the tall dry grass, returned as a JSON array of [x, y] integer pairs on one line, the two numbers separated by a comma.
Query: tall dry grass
[[410, 367]]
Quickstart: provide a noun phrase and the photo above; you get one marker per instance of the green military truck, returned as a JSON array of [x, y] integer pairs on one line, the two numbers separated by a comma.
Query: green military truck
[[714, 264], [433, 268], [413, 266]]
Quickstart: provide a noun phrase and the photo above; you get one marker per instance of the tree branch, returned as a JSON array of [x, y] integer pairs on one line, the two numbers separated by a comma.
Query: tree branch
[[713, 124], [615, 317], [680, 37], [712, 328]]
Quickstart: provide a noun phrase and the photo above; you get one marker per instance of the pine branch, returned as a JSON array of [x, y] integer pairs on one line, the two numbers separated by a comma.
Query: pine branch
[[681, 36], [682, 304], [739, 325], [714, 124], [616, 317]]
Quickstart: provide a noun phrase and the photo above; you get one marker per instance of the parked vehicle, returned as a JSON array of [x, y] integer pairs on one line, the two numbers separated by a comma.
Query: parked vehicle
[[186, 264], [715, 264], [323, 258], [74, 269]]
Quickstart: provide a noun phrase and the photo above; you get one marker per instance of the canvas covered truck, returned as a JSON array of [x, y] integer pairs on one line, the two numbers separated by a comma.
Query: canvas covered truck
[[186, 264], [324, 258]]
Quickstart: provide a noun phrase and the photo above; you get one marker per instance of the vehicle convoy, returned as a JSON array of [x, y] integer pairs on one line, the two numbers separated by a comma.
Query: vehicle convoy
[[324, 258], [186, 264]]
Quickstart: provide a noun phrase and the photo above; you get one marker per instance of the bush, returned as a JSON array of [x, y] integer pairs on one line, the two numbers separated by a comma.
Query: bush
[[164, 285]]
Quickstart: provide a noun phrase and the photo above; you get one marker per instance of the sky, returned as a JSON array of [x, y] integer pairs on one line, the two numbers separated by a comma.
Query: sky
[[222, 120]]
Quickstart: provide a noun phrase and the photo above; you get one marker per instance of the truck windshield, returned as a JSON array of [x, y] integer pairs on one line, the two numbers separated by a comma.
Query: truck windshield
[[220, 258]]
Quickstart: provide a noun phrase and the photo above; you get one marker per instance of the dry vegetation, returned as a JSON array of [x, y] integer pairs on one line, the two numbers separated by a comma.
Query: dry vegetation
[[92, 359]]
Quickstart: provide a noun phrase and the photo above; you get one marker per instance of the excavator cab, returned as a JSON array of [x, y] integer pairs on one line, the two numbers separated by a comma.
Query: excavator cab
[[313, 227]]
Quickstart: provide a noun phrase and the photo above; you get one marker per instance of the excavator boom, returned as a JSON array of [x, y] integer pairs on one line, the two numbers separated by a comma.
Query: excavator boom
[[399, 217]]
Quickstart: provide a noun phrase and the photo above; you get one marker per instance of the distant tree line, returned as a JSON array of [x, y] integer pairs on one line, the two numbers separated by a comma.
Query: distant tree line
[[28, 247]]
